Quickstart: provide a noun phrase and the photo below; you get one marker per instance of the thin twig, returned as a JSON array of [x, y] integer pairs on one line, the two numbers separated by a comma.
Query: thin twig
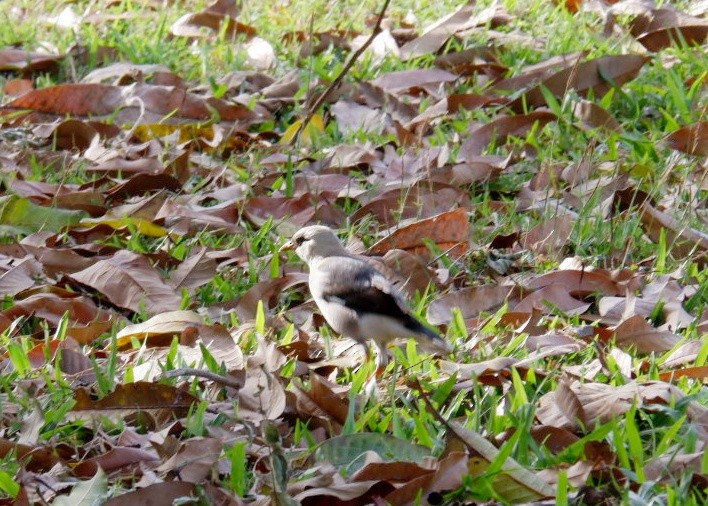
[[318, 103], [217, 378]]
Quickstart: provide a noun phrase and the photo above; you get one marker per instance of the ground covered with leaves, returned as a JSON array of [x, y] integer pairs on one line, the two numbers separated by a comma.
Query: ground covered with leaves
[[533, 172]]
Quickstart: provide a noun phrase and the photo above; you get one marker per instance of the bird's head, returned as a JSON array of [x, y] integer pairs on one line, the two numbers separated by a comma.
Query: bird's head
[[314, 241]]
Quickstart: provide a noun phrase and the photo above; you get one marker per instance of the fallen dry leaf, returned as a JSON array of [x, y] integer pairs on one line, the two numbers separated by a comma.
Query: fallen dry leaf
[[469, 301], [129, 281], [499, 129], [664, 27], [598, 76], [692, 139], [437, 34], [635, 332], [680, 240], [596, 403], [449, 231], [27, 62]]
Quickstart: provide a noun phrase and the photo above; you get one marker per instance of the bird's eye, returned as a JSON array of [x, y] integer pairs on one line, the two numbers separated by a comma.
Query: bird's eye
[[299, 240]]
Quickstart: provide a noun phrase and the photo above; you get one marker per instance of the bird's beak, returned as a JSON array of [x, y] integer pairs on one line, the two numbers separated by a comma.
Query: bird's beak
[[288, 246]]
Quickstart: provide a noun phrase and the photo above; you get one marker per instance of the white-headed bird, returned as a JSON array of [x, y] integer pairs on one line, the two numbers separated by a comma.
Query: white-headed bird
[[356, 299]]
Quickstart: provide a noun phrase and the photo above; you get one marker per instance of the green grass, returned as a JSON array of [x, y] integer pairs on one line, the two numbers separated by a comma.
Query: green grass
[[660, 100]]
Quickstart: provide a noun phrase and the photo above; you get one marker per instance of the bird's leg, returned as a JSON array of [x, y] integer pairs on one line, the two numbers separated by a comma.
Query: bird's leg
[[370, 385], [381, 358]]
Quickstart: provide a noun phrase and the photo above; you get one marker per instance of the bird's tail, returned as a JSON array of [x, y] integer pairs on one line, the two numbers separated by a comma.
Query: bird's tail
[[431, 339]]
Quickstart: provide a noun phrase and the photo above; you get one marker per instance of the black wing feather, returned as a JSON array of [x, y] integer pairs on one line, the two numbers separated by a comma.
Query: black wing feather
[[365, 297]]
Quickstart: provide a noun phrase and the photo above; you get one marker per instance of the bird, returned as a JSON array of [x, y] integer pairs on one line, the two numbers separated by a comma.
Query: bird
[[356, 299]]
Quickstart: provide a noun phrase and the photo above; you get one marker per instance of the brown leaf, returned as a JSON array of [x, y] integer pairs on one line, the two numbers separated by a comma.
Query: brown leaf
[[554, 438], [194, 219], [191, 25], [122, 72], [551, 344], [402, 80], [75, 362], [681, 241], [550, 297], [550, 236], [636, 332], [451, 106], [471, 301], [465, 174], [592, 115], [68, 134], [262, 396], [160, 103], [534, 74], [17, 87], [17, 275], [579, 283], [27, 62], [322, 393], [195, 271], [420, 200], [664, 27], [474, 60], [668, 467], [266, 291], [129, 281], [300, 211], [194, 460], [360, 492], [136, 396], [437, 34], [158, 493], [55, 260], [126, 460], [487, 372], [411, 269], [450, 231], [691, 139], [448, 476], [499, 129], [86, 321], [569, 403], [684, 354], [390, 471], [699, 372], [221, 345], [598, 75], [34, 459], [601, 403], [352, 118]]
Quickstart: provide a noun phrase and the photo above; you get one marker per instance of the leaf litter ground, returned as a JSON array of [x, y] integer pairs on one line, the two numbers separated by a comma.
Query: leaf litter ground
[[539, 197]]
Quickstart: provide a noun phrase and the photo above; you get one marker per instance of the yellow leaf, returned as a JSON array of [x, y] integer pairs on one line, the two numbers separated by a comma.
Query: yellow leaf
[[514, 483], [170, 323], [314, 128], [187, 132], [145, 227]]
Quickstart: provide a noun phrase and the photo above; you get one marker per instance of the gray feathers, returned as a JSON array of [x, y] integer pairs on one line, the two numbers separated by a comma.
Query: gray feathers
[[357, 300]]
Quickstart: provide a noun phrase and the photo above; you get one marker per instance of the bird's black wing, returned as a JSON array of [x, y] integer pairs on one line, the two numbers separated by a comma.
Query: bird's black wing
[[368, 291]]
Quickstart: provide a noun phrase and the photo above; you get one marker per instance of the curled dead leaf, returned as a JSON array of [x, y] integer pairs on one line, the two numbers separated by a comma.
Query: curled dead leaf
[[598, 75], [692, 139], [129, 281], [449, 231], [680, 239], [499, 129], [664, 27]]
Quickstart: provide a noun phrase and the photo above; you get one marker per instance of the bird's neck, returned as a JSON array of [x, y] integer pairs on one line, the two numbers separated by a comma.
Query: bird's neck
[[318, 258]]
